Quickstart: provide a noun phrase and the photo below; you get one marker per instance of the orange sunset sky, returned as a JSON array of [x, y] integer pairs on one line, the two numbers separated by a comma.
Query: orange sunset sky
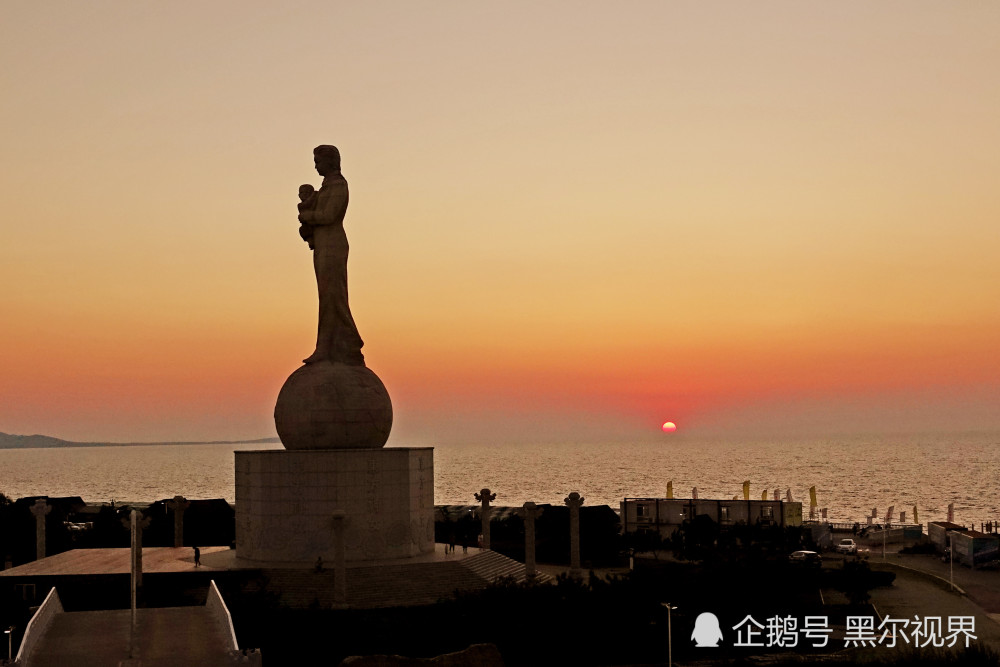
[[568, 220]]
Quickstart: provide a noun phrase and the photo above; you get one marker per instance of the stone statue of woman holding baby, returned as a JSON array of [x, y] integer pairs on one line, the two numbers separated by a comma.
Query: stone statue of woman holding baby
[[322, 216], [334, 401]]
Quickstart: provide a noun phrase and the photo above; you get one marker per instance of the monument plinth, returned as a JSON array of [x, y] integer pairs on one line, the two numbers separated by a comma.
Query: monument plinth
[[286, 503], [335, 493]]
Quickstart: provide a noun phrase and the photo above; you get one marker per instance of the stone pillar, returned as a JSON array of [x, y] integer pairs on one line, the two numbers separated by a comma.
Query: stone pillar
[[530, 512], [573, 502], [694, 493], [135, 523], [339, 559], [40, 509], [136, 560], [178, 504], [485, 497]]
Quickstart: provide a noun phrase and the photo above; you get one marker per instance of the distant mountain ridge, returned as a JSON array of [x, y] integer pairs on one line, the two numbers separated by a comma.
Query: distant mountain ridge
[[8, 441]]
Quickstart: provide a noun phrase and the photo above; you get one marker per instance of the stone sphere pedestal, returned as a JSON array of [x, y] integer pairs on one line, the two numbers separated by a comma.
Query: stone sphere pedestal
[[325, 405], [335, 483]]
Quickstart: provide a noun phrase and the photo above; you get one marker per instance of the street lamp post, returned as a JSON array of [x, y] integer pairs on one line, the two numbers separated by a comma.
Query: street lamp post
[[670, 647], [951, 561], [10, 641]]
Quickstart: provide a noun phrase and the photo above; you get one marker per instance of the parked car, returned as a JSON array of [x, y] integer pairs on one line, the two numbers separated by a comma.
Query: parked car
[[805, 558], [847, 546]]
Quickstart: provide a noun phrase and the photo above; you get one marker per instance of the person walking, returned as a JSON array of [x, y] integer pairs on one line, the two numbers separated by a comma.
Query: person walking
[[197, 557]]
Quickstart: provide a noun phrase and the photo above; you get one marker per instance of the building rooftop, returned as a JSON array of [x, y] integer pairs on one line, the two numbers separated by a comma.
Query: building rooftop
[[976, 533], [422, 579], [118, 561], [947, 525]]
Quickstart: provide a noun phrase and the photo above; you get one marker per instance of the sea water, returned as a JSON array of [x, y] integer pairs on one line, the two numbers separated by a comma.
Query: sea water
[[852, 475]]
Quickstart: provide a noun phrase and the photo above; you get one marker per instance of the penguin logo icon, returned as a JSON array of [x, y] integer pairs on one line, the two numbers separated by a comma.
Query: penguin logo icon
[[706, 630]]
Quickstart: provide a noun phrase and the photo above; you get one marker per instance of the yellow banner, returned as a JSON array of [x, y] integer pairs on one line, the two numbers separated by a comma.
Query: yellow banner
[[763, 496], [746, 490], [812, 496], [670, 489]]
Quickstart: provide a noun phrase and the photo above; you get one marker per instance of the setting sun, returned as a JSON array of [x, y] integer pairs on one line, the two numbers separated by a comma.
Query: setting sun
[[669, 427]]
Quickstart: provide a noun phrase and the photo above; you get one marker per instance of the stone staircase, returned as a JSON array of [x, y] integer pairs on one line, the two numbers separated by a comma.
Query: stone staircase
[[490, 566], [168, 636]]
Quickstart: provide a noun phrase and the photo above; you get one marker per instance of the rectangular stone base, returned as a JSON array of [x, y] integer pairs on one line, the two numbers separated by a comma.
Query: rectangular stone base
[[285, 500]]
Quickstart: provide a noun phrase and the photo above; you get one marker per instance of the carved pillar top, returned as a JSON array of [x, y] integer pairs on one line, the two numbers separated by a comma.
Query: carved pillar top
[[574, 500], [178, 503], [41, 507], [486, 497], [142, 521], [531, 511]]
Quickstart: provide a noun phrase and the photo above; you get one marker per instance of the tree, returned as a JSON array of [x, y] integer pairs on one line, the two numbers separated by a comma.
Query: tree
[[856, 579], [645, 541]]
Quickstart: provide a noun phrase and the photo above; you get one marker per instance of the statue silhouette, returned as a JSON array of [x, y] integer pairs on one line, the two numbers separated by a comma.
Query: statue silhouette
[[322, 216]]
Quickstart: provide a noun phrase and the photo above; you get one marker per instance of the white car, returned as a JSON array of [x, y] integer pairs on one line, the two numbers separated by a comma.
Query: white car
[[847, 546]]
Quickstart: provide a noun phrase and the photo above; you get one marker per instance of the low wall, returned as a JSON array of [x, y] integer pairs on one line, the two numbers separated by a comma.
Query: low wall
[[875, 538], [37, 626], [220, 612]]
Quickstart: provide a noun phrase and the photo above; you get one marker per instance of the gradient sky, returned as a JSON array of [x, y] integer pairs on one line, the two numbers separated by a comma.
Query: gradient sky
[[567, 220]]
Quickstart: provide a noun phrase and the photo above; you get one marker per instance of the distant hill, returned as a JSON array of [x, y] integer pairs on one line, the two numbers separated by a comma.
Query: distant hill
[[8, 441]]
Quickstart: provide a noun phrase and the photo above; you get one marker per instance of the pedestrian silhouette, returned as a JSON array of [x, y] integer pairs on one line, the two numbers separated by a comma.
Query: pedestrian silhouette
[[197, 557]]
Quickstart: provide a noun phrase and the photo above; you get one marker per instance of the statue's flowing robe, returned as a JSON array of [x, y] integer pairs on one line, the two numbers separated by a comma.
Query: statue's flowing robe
[[337, 339]]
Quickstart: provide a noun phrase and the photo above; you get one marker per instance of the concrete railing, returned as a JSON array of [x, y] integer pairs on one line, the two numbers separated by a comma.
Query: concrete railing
[[874, 538], [220, 612], [37, 626]]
